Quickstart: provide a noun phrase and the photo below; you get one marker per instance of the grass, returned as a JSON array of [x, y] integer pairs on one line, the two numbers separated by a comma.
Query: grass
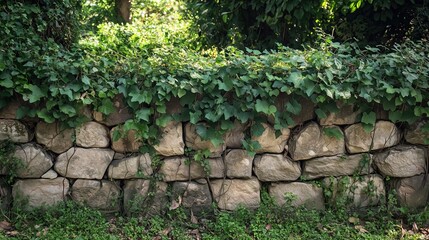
[[70, 221]]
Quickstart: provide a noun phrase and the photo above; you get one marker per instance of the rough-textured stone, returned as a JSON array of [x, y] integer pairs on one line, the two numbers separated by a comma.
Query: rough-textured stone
[[84, 163], [171, 142], [179, 169], [9, 111], [307, 109], [412, 192], [129, 142], [14, 131], [230, 194], [173, 106], [416, 134], [217, 168], [40, 192], [338, 166], [35, 161], [303, 194], [312, 141], [364, 191], [55, 137], [118, 116], [195, 142], [401, 161], [101, 195], [50, 174], [346, 115], [137, 199], [385, 134], [132, 167], [235, 136], [238, 164], [92, 134], [195, 195], [276, 167], [269, 142]]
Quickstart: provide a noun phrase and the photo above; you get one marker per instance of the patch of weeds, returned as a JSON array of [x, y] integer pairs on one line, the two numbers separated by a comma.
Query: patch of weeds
[[9, 163]]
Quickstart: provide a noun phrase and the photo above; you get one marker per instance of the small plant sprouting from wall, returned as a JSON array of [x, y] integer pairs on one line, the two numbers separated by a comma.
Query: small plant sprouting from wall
[[9, 164]]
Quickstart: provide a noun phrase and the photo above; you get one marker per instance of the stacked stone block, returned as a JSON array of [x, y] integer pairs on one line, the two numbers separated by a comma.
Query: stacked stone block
[[89, 166]]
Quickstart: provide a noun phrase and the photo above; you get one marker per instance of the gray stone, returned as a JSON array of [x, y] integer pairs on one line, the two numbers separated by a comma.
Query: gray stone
[[417, 134], [194, 141], [181, 169], [92, 135], [40, 192], [217, 168], [412, 192], [230, 194], [101, 195], [300, 194], [385, 134], [55, 137], [35, 161], [401, 161], [269, 142], [119, 115], [171, 142], [14, 131], [313, 141], [276, 167], [143, 198], [50, 174], [235, 136], [195, 196], [360, 164], [84, 163], [238, 164], [346, 115], [358, 192], [128, 142], [132, 167]]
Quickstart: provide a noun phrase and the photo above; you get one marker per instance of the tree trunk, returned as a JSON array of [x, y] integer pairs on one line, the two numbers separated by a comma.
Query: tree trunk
[[123, 8]]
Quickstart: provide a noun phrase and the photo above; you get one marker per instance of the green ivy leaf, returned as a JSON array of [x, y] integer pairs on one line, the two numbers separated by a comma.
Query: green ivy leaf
[[36, 93], [143, 114], [293, 107], [68, 109], [106, 107]]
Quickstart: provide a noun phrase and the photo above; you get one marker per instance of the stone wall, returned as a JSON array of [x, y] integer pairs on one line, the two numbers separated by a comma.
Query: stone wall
[[319, 161]]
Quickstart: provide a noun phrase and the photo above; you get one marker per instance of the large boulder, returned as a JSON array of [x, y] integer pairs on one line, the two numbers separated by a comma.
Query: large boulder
[[314, 141], [195, 196], [54, 136], [144, 198], [217, 168], [171, 142], [276, 167], [84, 163], [35, 161], [14, 131], [238, 164], [132, 167], [195, 142], [412, 192], [35, 193], [92, 135], [346, 115], [401, 161], [127, 142], [385, 134], [360, 164], [181, 169], [270, 143], [234, 137], [298, 194], [418, 133], [120, 114], [102, 195], [362, 191], [230, 194]]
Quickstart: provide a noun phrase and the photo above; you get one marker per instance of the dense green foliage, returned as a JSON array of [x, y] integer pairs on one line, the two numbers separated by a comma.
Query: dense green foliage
[[268, 222], [262, 23], [151, 62]]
